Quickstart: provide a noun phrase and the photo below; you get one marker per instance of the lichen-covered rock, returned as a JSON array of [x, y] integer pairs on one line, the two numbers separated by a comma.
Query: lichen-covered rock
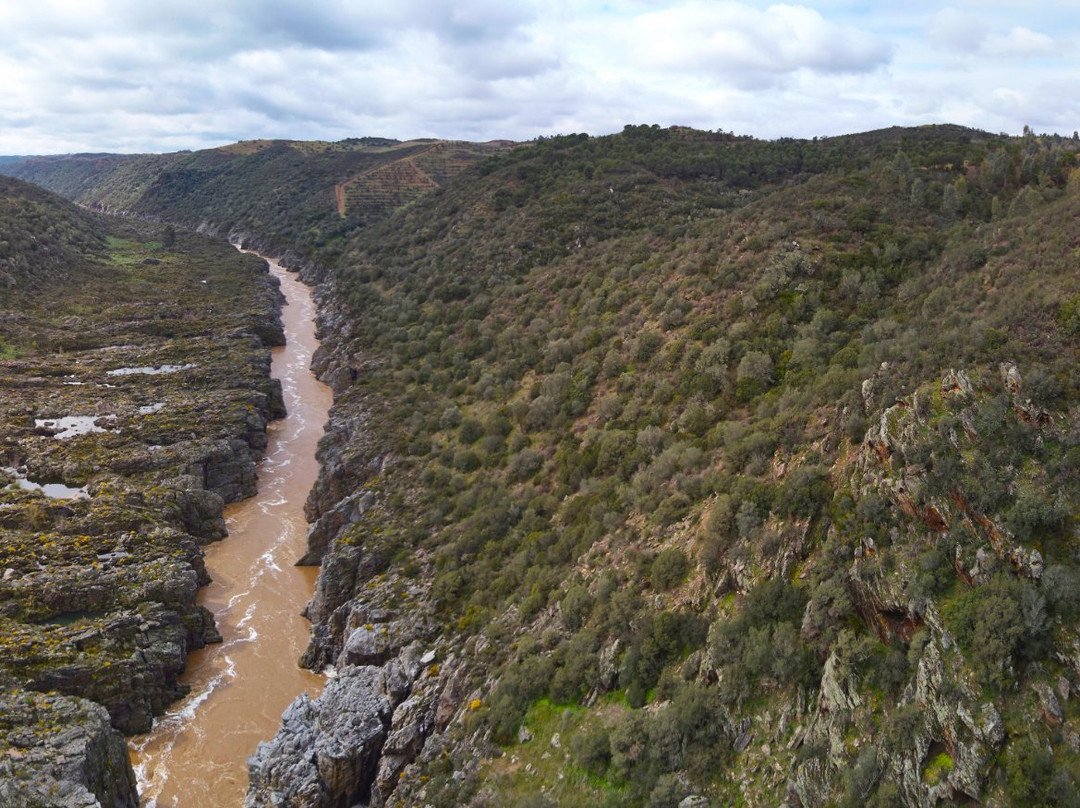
[[99, 585], [952, 715], [326, 752], [837, 693], [349, 511], [1048, 703], [609, 666], [60, 752], [412, 723], [146, 652]]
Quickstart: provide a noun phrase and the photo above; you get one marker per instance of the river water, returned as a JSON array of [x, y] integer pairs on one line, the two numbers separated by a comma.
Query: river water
[[196, 754]]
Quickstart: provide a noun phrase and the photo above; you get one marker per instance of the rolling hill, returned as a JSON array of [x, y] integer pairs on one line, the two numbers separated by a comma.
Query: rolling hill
[[299, 194]]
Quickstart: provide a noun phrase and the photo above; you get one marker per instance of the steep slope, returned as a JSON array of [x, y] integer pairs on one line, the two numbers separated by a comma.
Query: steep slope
[[45, 240], [294, 192], [134, 397], [675, 464], [679, 468]]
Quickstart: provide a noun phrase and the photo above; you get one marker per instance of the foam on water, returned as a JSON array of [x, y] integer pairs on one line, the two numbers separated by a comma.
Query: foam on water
[[196, 754]]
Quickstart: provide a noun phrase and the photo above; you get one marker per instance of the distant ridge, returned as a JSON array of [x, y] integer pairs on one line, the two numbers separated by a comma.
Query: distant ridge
[[261, 186]]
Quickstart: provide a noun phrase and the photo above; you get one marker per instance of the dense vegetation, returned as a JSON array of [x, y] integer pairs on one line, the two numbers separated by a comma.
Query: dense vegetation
[[625, 377], [742, 465]]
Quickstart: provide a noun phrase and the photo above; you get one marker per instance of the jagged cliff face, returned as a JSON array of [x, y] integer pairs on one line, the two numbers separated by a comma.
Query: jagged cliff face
[[134, 398], [674, 468]]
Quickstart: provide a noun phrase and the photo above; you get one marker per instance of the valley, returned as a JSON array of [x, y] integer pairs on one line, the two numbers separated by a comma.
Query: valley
[[667, 468], [197, 752]]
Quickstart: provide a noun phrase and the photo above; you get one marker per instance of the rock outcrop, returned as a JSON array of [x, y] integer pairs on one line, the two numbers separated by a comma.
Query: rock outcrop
[[326, 752], [98, 593], [61, 751], [350, 744]]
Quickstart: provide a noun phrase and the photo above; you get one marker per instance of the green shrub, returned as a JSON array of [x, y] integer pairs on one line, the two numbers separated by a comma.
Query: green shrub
[[576, 606], [669, 569], [1032, 780], [1069, 315], [470, 431], [804, 492], [592, 750], [997, 624]]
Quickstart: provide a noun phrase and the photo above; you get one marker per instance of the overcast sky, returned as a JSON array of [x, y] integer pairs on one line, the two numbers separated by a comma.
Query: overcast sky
[[163, 75]]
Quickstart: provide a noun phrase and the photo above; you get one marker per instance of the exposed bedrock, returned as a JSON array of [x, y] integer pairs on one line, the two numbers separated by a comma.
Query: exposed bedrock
[[396, 682], [98, 594], [60, 751], [350, 745]]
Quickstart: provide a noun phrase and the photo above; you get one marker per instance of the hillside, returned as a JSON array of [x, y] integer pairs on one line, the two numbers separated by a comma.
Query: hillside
[[300, 194], [43, 239], [680, 468], [746, 468]]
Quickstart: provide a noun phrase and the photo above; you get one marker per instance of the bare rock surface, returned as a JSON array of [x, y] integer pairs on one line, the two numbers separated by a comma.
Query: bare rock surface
[[326, 751], [60, 751], [101, 528]]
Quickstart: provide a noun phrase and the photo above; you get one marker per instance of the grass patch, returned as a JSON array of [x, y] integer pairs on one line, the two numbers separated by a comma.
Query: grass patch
[[540, 763], [938, 768]]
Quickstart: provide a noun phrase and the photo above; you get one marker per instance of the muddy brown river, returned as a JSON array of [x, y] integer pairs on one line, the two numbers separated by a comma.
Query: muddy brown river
[[196, 754]]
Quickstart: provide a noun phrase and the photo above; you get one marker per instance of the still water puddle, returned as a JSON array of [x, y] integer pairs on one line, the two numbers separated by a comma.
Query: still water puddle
[[148, 370], [71, 425], [54, 490]]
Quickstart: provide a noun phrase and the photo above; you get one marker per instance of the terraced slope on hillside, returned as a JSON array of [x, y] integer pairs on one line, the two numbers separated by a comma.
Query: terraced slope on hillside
[[390, 185], [304, 194]]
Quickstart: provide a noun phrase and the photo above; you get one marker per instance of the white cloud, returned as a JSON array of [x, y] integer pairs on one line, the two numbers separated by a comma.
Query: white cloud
[[738, 40], [963, 33], [1018, 42], [957, 31], [127, 75]]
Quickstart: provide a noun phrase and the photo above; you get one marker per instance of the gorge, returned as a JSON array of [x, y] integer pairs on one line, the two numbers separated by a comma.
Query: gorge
[[667, 468], [197, 752]]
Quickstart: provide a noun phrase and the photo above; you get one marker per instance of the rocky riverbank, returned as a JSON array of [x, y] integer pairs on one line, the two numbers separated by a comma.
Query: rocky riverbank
[[396, 680], [133, 407]]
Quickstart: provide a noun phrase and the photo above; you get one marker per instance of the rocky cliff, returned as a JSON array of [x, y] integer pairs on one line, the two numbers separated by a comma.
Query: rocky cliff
[[134, 397]]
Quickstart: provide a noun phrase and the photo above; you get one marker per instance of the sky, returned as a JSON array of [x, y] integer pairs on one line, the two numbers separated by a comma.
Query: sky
[[142, 76]]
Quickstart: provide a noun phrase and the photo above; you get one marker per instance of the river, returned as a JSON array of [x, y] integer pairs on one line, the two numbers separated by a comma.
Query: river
[[196, 754]]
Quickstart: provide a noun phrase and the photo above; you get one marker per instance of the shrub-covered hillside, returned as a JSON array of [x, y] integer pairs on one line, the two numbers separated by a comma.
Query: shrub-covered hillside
[[296, 194], [43, 239], [680, 468], [749, 468]]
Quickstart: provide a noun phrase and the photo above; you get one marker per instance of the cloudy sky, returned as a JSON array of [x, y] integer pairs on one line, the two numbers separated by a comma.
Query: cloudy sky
[[135, 75]]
